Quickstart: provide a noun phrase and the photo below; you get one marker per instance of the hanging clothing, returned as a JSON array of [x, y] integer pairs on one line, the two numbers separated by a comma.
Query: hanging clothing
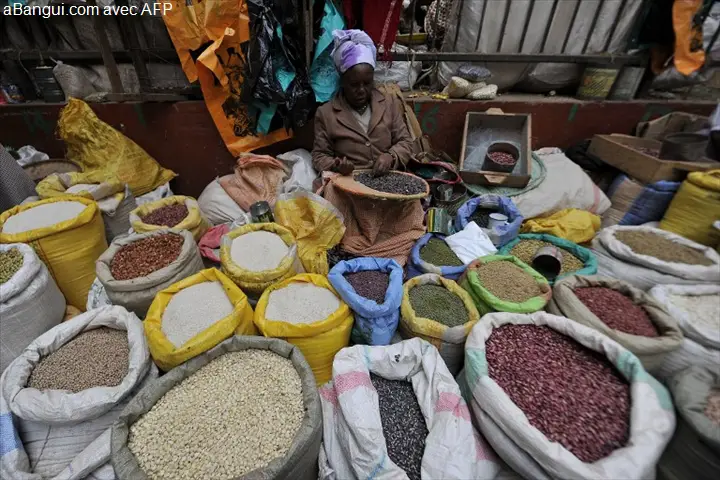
[[380, 19]]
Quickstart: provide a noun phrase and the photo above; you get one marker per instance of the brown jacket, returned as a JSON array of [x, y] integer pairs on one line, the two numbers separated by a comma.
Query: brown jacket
[[338, 134]]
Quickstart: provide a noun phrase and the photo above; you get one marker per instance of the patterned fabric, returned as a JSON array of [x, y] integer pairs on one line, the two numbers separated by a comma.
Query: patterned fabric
[[15, 184], [436, 28]]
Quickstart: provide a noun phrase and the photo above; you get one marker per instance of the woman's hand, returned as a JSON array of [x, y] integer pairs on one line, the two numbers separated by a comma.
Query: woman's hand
[[383, 164], [344, 166]]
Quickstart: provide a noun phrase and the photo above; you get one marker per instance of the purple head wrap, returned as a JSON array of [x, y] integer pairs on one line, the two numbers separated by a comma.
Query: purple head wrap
[[351, 48]]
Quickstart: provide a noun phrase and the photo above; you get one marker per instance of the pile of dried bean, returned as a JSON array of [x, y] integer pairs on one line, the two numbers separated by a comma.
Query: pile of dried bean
[[617, 311], [370, 284], [167, 216], [654, 245], [437, 252], [525, 250], [507, 281], [10, 262], [712, 406], [145, 256], [392, 182], [438, 303], [502, 158]]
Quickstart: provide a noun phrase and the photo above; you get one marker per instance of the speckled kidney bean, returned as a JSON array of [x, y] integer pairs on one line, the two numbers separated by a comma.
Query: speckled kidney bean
[[167, 216]]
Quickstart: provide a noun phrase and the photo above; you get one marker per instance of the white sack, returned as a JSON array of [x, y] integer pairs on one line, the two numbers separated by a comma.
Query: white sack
[[217, 206], [302, 175], [97, 296], [404, 74], [470, 243], [690, 354], [163, 191], [706, 336]]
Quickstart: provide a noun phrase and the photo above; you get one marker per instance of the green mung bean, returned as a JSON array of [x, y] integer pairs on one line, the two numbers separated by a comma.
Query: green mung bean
[[439, 304], [437, 252], [10, 262]]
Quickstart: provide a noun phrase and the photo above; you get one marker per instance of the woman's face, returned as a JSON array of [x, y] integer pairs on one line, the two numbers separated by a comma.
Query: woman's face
[[357, 85]]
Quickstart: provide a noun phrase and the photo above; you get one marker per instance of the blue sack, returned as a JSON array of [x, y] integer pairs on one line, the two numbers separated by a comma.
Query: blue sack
[[417, 266], [650, 205], [504, 205], [374, 324]]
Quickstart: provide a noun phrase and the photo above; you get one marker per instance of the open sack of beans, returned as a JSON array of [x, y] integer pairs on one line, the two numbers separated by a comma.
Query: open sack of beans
[[439, 311], [629, 316], [373, 289], [30, 301], [195, 314], [480, 208], [258, 255], [114, 198], [178, 212], [414, 422], [306, 311], [694, 451], [556, 399], [136, 267], [502, 283], [68, 235], [645, 257], [431, 254], [247, 408], [61, 395]]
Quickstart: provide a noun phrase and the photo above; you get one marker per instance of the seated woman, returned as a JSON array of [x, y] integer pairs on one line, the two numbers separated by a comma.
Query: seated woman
[[360, 127]]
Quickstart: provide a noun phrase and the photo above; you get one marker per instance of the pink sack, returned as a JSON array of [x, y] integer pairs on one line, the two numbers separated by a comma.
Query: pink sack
[[211, 242]]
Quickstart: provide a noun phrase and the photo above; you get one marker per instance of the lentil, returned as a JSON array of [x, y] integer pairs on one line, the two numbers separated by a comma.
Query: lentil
[[194, 309], [507, 281], [525, 250], [502, 158], [370, 284], [481, 216], [617, 311], [258, 251], [704, 310], [403, 423], [392, 182], [10, 262], [167, 216], [712, 406], [438, 303], [145, 256], [95, 358], [42, 216], [654, 245], [301, 303], [437, 252], [234, 415], [572, 394]]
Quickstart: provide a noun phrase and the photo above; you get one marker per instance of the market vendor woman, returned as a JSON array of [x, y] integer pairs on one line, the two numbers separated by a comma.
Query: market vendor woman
[[361, 127]]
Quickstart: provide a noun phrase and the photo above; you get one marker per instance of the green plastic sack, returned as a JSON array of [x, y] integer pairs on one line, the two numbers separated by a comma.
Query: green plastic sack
[[486, 302]]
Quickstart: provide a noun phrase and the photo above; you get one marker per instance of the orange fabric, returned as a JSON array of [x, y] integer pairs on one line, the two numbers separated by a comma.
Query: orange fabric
[[689, 52], [256, 178]]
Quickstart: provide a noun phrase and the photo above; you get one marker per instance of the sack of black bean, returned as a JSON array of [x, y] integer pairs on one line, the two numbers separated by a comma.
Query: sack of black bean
[[556, 399], [414, 422], [178, 212], [258, 393], [439, 311], [136, 267], [431, 254], [478, 210], [629, 316], [372, 287]]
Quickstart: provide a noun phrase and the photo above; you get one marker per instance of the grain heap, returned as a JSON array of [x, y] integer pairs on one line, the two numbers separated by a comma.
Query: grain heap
[[10, 262], [525, 250], [301, 303], [145, 256], [438, 303], [403, 423], [370, 284], [481, 216], [96, 358], [617, 311], [42, 216], [507, 281], [193, 310], [577, 398], [502, 158], [236, 414], [437, 252], [712, 406], [703, 310], [258, 251], [392, 182], [167, 216], [648, 243]]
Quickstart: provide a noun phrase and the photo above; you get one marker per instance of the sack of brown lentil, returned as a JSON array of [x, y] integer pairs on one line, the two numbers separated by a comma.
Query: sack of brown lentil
[[556, 399], [629, 316], [260, 390], [431, 254], [178, 212], [414, 422], [439, 311], [136, 267]]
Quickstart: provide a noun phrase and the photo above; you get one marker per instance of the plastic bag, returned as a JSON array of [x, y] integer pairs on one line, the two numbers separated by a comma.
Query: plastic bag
[[418, 266], [470, 243], [695, 207], [501, 234], [324, 77], [194, 222], [571, 224], [303, 174]]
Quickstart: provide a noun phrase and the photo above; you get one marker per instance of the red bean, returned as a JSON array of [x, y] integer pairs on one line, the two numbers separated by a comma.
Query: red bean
[[167, 216], [617, 311], [145, 256], [502, 158]]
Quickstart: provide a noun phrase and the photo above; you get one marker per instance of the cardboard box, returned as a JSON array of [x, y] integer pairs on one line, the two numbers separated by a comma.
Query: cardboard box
[[484, 128], [621, 152]]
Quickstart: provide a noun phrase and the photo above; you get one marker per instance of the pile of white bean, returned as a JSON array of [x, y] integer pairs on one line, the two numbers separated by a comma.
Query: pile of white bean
[[704, 310], [258, 251], [42, 216], [301, 303]]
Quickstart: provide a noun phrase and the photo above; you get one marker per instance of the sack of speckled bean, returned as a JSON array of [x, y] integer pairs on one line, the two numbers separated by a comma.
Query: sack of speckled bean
[[136, 267], [478, 210], [178, 212], [556, 399], [502, 283], [439, 311], [431, 254], [624, 313]]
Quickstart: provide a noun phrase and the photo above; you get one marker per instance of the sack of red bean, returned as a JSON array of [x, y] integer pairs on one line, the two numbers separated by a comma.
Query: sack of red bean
[[480, 208], [624, 313], [414, 423], [645, 257], [556, 399], [136, 267], [431, 254], [178, 212], [373, 289]]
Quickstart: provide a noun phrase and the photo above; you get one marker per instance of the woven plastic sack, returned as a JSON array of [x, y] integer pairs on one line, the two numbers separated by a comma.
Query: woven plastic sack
[[30, 304], [695, 207], [195, 222], [705, 335], [526, 449], [68, 249], [570, 224], [650, 350], [318, 341], [635, 204], [450, 341], [239, 322], [353, 443], [136, 294], [417, 266], [375, 324], [486, 302], [216, 205], [689, 354], [299, 463], [255, 283], [503, 233]]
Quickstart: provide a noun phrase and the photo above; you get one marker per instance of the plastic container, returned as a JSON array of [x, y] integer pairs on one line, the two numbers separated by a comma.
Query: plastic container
[[504, 147], [497, 220]]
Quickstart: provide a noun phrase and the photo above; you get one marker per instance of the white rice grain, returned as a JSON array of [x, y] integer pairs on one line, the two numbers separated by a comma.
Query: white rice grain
[[192, 310], [42, 216], [301, 303], [258, 251], [704, 310]]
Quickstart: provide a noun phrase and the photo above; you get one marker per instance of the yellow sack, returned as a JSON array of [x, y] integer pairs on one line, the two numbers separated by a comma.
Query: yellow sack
[[255, 283], [195, 222], [316, 224], [450, 341], [69, 249], [104, 185], [239, 322], [695, 207], [319, 341], [578, 226], [96, 146]]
